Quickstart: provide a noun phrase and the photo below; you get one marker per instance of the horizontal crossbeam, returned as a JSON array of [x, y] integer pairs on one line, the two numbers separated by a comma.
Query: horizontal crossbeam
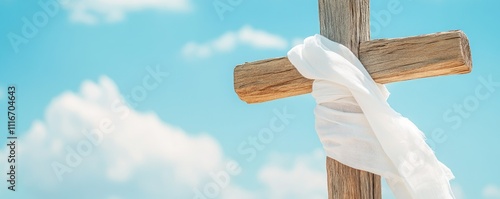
[[387, 60]]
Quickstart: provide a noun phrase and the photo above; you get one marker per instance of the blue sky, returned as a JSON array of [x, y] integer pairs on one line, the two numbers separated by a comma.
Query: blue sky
[[74, 69]]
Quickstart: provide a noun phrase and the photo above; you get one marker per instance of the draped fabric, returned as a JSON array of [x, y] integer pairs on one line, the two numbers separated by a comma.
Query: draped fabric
[[358, 128]]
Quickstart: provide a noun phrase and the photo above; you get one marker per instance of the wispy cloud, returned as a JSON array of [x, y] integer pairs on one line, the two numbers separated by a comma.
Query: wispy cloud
[[96, 11], [296, 178], [246, 36], [458, 191], [232, 192], [142, 156], [491, 191]]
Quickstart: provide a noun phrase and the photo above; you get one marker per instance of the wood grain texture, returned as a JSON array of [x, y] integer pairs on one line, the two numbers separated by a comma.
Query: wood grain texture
[[347, 22], [348, 183], [393, 60], [387, 60]]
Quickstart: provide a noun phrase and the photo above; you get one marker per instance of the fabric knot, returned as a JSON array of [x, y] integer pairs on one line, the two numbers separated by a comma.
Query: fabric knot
[[358, 128]]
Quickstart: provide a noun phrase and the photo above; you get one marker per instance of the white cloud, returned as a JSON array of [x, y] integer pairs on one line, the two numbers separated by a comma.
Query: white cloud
[[300, 177], [491, 191], [458, 191], [96, 11], [232, 192], [261, 39], [246, 36], [140, 157]]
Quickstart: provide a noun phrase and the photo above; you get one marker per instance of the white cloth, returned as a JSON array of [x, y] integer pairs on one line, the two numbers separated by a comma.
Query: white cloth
[[358, 128]]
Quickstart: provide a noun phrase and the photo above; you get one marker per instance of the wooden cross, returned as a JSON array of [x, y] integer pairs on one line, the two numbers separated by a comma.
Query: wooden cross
[[387, 60]]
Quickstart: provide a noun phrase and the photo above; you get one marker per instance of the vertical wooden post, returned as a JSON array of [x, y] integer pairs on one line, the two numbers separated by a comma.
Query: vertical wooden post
[[348, 22]]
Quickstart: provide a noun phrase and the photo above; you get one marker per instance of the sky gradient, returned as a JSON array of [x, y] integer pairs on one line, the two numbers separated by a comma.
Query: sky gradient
[[145, 89]]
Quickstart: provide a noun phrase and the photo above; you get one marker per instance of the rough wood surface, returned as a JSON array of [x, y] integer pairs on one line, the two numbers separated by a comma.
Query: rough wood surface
[[387, 60], [348, 183], [392, 60], [347, 22]]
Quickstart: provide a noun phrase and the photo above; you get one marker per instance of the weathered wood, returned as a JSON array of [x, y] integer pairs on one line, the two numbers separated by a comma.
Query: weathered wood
[[348, 183], [417, 57], [387, 60], [347, 22]]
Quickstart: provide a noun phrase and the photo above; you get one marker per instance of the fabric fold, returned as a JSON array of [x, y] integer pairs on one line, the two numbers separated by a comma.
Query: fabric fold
[[358, 128]]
